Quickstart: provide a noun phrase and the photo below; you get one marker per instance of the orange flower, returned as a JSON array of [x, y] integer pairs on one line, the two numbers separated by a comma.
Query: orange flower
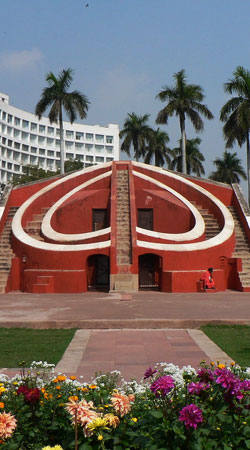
[[121, 404], [113, 420], [221, 366], [7, 425], [61, 377], [58, 388], [2, 405], [73, 398], [72, 377], [92, 386]]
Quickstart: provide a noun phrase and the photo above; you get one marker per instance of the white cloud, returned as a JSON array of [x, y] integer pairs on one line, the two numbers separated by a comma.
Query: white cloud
[[20, 60]]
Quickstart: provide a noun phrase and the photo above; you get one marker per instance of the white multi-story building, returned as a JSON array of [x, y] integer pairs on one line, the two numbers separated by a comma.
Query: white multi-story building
[[24, 139]]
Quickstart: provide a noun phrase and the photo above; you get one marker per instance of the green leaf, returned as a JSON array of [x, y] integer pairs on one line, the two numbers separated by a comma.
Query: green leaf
[[156, 414], [247, 442]]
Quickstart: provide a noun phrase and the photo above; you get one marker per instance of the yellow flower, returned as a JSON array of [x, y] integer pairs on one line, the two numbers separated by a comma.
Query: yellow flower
[[2, 389], [232, 363], [218, 428], [212, 363], [221, 366], [100, 437], [134, 419], [99, 422]]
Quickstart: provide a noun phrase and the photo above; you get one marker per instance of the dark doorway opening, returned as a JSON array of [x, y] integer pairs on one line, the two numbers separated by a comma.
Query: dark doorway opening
[[149, 271], [99, 219], [145, 218], [98, 272]]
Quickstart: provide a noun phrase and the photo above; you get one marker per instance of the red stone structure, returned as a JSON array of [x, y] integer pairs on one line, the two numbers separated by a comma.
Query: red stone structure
[[124, 226]]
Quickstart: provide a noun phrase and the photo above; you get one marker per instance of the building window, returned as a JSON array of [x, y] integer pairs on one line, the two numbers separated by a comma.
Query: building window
[[99, 148], [79, 146], [42, 152], [25, 136], [9, 143], [69, 155], [16, 168], [33, 150], [41, 140], [68, 144], [109, 149], [41, 129], [99, 159], [99, 137], [50, 142], [50, 153], [89, 136], [4, 115], [33, 126], [25, 124], [89, 158], [17, 122], [10, 117], [17, 145], [69, 134], [25, 148], [50, 131], [109, 159], [79, 135], [33, 138], [89, 147], [109, 139]]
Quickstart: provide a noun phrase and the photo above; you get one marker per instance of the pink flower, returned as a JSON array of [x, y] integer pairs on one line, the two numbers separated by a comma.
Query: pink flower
[[205, 374], [7, 425], [83, 413], [121, 404], [225, 378], [197, 388], [162, 386], [191, 415], [149, 373]]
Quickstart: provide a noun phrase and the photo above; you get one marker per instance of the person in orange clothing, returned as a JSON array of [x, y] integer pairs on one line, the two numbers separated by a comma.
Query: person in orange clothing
[[207, 278]]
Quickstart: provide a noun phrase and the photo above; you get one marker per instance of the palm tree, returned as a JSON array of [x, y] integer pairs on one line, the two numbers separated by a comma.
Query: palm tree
[[135, 132], [236, 113], [184, 100], [157, 148], [57, 96], [229, 169], [193, 155]]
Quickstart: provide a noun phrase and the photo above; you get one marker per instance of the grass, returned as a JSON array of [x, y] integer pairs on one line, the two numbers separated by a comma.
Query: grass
[[25, 344], [232, 339]]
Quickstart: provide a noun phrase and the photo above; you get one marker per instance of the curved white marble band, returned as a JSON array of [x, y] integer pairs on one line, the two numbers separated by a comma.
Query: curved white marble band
[[20, 234], [50, 233], [220, 238], [196, 232]]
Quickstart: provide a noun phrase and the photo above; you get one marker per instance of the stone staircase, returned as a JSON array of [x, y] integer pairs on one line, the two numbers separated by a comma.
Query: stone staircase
[[6, 253], [123, 256], [212, 227], [242, 249], [33, 227]]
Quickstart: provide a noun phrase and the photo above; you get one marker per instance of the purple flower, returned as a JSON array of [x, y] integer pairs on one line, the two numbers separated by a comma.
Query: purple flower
[[191, 415], [197, 388], [226, 378], [245, 385], [205, 374], [162, 385], [149, 373]]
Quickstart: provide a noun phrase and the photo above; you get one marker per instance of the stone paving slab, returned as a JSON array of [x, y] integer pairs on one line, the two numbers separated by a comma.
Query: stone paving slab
[[128, 333]]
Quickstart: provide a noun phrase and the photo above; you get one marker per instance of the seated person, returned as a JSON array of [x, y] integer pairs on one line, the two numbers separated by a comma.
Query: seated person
[[207, 278]]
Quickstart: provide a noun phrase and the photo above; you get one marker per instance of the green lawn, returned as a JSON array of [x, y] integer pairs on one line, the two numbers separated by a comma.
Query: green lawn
[[232, 339], [25, 344]]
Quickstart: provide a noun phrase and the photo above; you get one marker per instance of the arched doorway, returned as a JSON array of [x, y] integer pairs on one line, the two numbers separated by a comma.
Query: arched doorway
[[149, 271], [98, 272]]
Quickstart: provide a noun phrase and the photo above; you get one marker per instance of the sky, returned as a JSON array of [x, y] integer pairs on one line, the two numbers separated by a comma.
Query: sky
[[123, 52]]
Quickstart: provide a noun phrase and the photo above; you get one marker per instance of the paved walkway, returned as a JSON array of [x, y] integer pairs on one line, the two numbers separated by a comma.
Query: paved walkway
[[128, 332]]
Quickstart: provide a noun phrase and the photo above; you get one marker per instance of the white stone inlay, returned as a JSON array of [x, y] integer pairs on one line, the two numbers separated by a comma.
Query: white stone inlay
[[220, 238]]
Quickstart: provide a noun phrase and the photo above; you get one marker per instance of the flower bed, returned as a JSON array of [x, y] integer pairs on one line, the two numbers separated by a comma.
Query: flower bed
[[170, 408]]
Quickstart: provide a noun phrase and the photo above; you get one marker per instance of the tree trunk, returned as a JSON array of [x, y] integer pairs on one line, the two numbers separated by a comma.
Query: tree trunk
[[61, 143], [248, 169], [183, 144]]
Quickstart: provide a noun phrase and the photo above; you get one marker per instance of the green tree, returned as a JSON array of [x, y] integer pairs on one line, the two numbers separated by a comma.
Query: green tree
[[73, 164], [136, 132], [57, 96], [236, 113], [184, 100], [229, 169], [32, 173], [157, 148], [193, 155]]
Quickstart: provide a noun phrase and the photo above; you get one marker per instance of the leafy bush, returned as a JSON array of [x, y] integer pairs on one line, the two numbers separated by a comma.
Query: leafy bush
[[170, 408]]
